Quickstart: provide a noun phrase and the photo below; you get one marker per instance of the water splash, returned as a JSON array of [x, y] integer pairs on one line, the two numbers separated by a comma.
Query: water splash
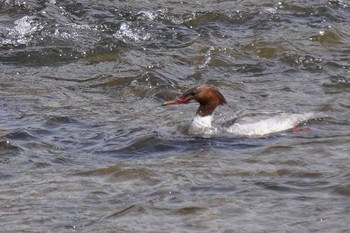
[[127, 32], [22, 33], [207, 57]]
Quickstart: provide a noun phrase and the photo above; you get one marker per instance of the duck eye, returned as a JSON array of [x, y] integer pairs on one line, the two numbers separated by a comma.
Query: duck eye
[[193, 93]]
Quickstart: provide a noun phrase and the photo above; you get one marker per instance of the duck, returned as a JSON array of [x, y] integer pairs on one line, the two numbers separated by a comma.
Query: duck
[[245, 125]]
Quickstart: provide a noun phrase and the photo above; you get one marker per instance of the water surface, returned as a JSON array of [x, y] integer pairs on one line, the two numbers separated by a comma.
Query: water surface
[[85, 145]]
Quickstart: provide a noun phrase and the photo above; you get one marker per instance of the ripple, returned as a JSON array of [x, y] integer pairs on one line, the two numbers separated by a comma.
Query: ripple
[[7, 149], [305, 62], [326, 37], [57, 121], [337, 3], [21, 134], [153, 145], [201, 19], [141, 147], [337, 84], [121, 172], [189, 210], [342, 190], [274, 187]]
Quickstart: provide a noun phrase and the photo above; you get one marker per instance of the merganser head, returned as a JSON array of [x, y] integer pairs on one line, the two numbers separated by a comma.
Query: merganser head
[[209, 97]]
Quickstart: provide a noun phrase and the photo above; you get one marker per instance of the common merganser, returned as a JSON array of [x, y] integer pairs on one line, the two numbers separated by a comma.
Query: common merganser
[[209, 97]]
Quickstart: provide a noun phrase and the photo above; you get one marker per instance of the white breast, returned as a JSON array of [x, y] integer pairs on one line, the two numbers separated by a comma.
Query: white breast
[[201, 126]]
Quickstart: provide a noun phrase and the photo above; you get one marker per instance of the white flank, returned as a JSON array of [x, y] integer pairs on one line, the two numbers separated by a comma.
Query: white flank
[[280, 122]]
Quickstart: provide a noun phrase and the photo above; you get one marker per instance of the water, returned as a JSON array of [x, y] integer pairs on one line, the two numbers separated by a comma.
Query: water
[[86, 147]]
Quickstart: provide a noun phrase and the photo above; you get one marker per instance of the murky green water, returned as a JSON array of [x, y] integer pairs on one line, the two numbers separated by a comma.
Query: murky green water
[[86, 147]]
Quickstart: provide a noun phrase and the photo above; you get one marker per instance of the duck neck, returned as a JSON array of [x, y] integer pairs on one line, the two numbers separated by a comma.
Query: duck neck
[[206, 110]]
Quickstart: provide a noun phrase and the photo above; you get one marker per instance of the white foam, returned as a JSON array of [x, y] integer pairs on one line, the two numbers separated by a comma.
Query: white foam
[[22, 31], [147, 15], [135, 34]]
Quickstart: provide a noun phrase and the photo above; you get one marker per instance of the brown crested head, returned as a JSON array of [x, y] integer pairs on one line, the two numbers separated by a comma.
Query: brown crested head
[[209, 97]]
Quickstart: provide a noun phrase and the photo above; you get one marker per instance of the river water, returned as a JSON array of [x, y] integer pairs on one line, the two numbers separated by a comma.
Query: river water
[[85, 145]]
